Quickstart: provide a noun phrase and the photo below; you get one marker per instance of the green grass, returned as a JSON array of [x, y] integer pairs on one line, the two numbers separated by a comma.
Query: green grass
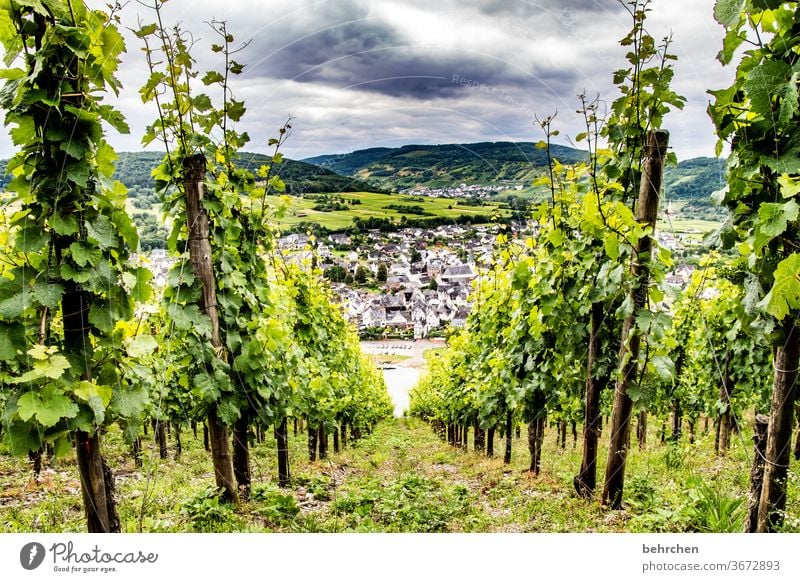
[[686, 225], [401, 478], [373, 205]]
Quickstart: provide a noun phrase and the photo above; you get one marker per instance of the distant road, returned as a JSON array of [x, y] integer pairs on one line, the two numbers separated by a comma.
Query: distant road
[[413, 349], [402, 376]]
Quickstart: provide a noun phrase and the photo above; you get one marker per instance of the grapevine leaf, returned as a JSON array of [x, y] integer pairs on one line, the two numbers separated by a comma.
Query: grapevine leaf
[[22, 439], [146, 30], [212, 77], [773, 218], [129, 401], [84, 254], [48, 294], [102, 232], [49, 406], [785, 293], [12, 338], [142, 345], [763, 82], [790, 186], [64, 225], [86, 390], [13, 307]]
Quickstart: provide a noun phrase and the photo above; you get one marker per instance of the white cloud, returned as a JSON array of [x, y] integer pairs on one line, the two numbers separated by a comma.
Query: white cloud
[[329, 63]]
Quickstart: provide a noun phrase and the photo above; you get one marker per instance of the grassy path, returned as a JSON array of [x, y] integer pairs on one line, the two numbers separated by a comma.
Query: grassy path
[[400, 478]]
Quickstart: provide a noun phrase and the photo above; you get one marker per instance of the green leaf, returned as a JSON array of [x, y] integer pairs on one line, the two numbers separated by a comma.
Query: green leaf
[[114, 118], [146, 30], [212, 77], [31, 239], [236, 110], [63, 225], [12, 341], [103, 316], [202, 103], [15, 306], [84, 254], [129, 401], [522, 275], [728, 12], [48, 294], [86, 390], [56, 366], [142, 291], [96, 396], [62, 446], [101, 231], [785, 293], [763, 82], [75, 148], [141, 345], [22, 438], [773, 219], [790, 186], [611, 245], [207, 387], [49, 406], [70, 273], [53, 368]]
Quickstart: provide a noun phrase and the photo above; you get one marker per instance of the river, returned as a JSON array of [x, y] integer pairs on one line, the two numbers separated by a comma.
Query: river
[[400, 381], [402, 375]]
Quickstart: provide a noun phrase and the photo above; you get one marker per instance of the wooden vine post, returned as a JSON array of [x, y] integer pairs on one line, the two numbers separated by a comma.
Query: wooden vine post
[[194, 169], [587, 479], [756, 472], [779, 434], [646, 214], [282, 442], [97, 480]]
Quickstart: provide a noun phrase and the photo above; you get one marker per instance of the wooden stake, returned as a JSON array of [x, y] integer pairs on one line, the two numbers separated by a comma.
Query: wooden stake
[[646, 214], [194, 170]]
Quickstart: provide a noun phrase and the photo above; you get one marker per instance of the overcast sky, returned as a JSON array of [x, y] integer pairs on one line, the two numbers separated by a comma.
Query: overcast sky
[[365, 73]]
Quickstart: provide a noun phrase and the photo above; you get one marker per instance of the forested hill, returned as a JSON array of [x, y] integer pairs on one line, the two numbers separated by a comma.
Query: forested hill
[[694, 179], [447, 164], [496, 162], [133, 169]]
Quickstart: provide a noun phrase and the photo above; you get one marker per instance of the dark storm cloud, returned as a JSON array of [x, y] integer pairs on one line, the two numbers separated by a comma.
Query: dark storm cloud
[[363, 73], [349, 49], [525, 7]]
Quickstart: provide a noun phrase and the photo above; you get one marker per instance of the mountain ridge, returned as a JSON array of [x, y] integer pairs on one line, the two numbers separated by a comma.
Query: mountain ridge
[[487, 163]]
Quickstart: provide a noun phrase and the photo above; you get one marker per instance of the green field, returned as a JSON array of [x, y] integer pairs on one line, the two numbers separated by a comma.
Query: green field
[[374, 205], [687, 225]]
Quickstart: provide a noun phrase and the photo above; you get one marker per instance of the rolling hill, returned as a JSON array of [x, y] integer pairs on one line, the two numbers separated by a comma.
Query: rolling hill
[[495, 163], [133, 169], [446, 165]]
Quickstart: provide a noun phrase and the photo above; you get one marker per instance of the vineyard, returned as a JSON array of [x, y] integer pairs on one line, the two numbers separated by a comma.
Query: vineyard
[[236, 398]]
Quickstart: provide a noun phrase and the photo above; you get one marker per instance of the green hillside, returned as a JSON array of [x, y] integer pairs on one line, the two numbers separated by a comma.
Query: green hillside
[[498, 163], [133, 169], [336, 213], [688, 187], [445, 165]]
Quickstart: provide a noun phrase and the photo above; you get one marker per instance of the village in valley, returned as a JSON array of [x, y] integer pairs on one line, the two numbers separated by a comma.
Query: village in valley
[[415, 283]]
